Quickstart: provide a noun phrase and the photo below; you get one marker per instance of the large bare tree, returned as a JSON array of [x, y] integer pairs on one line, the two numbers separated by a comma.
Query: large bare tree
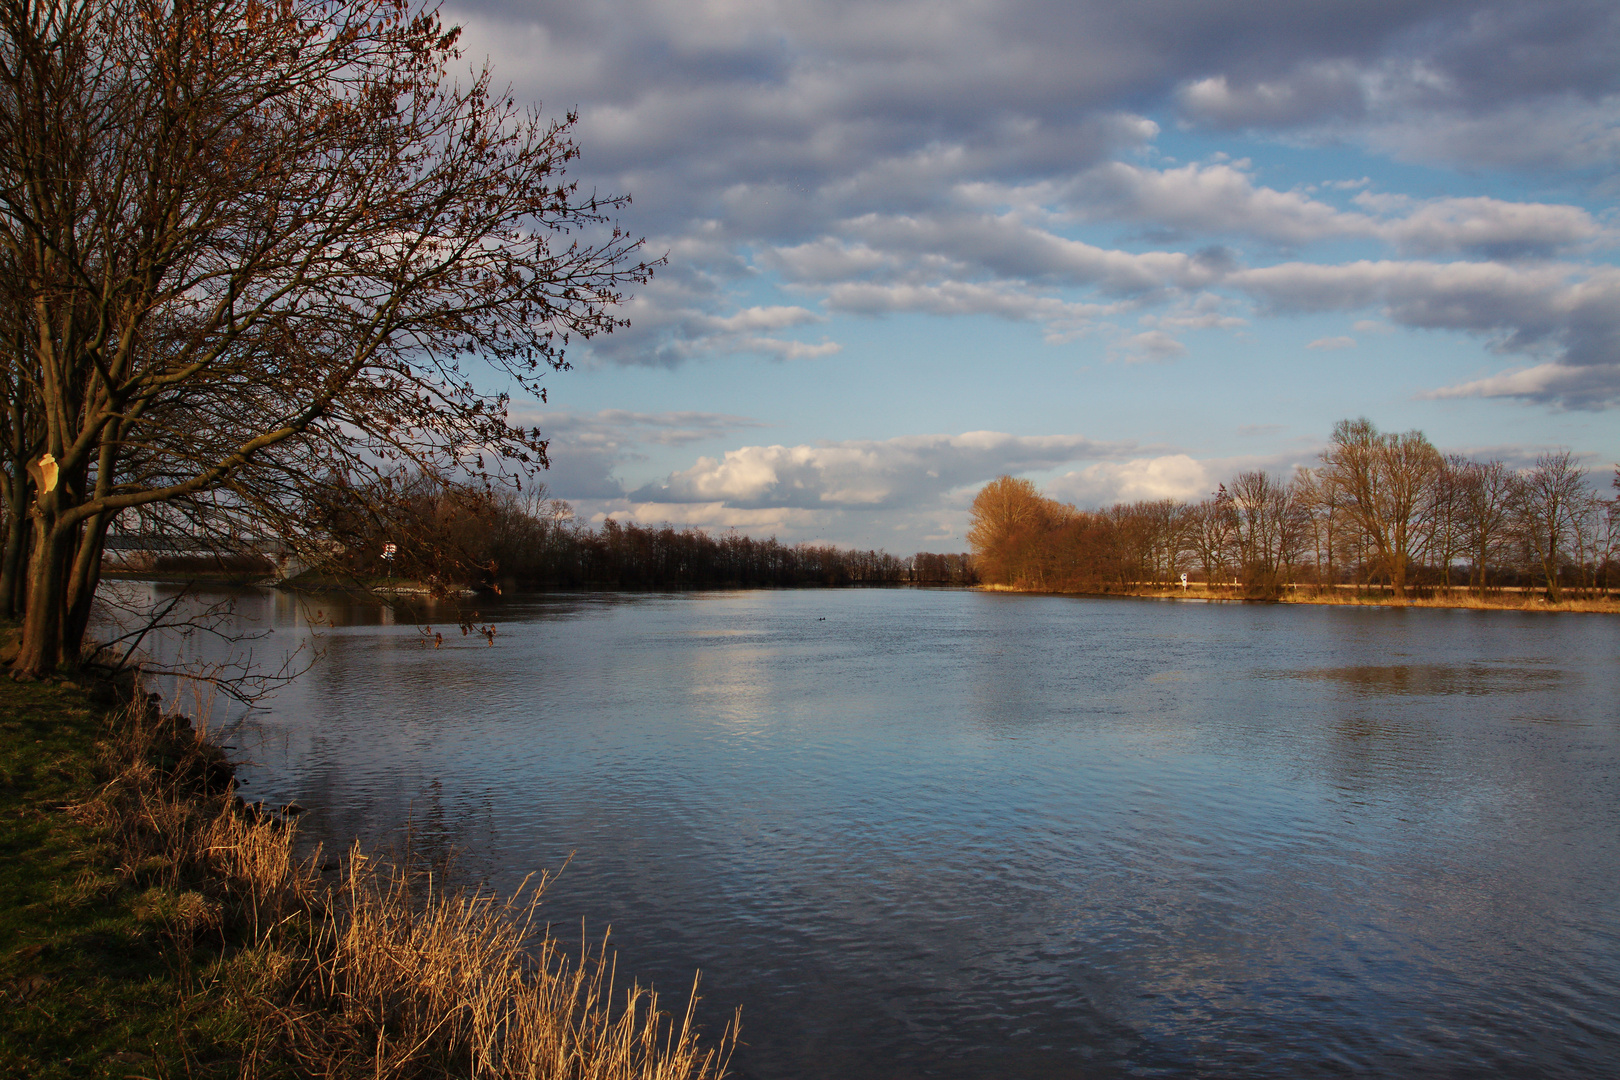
[[1488, 500], [1383, 481], [258, 259], [1271, 524], [1548, 497]]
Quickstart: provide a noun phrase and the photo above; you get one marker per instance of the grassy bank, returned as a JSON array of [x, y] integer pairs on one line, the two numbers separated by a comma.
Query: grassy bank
[[152, 925], [1343, 597], [88, 984]]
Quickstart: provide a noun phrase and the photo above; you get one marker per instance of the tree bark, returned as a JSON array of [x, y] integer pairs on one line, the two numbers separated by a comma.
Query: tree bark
[[81, 589], [42, 637]]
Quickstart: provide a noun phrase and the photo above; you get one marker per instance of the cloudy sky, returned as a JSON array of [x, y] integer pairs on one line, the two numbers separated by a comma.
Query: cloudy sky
[[1124, 248]]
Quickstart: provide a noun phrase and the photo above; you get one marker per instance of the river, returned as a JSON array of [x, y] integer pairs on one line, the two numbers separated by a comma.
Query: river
[[952, 834]]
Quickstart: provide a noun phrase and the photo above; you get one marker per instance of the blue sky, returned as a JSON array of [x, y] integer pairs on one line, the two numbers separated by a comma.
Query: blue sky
[[1125, 249]]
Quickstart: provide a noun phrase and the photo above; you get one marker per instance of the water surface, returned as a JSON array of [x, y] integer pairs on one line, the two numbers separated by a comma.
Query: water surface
[[950, 834]]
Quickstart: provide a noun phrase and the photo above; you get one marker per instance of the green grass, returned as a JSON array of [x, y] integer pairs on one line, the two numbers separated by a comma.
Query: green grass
[[88, 987]]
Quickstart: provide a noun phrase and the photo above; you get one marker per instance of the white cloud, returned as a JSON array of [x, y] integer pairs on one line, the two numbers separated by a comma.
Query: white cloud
[[1223, 199], [965, 160], [1005, 246], [1594, 386], [1171, 476], [1150, 346], [587, 449], [714, 516], [965, 298], [1574, 310], [1312, 92], [1209, 199], [1491, 227], [1555, 131], [669, 326], [764, 318], [1204, 312], [908, 471]]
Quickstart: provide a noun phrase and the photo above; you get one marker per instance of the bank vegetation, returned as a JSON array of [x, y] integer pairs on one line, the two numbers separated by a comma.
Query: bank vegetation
[[153, 924]]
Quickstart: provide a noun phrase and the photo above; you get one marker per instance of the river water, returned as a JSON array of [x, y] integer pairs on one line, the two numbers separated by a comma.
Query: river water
[[952, 834]]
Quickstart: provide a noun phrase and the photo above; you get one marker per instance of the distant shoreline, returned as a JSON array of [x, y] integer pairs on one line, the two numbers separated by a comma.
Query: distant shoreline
[[1456, 599]]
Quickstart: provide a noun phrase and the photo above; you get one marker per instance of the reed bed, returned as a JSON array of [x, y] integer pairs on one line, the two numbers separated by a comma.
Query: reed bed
[[1457, 598], [378, 970]]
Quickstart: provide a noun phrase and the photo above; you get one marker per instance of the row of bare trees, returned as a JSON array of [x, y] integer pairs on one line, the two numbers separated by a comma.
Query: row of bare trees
[[1381, 509]]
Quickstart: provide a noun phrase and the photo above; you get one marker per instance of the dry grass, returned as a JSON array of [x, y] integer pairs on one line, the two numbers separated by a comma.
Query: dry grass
[[381, 973], [1463, 600], [1459, 598], [467, 984]]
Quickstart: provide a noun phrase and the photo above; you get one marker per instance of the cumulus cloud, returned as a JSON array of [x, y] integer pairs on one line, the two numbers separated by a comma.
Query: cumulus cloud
[[586, 449], [1224, 199], [1593, 386], [908, 471], [713, 516], [669, 333], [1564, 131], [969, 298], [1148, 347], [1005, 246], [1311, 92], [1170, 476], [1494, 228], [964, 162], [1573, 310], [1207, 198]]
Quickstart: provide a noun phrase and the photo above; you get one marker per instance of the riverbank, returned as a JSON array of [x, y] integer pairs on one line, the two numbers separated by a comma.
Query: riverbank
[[154, 925], [1459, 599], [309, 581]]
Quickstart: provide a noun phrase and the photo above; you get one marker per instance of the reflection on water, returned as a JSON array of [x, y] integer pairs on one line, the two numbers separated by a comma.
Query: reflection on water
[[1433, 678], [959, 835]]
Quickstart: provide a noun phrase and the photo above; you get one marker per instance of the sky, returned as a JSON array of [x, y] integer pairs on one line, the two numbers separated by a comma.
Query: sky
[[1126, 249]]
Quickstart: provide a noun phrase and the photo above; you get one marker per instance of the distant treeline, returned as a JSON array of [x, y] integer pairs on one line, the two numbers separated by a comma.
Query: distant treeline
[[504, 541], [1382, 509]]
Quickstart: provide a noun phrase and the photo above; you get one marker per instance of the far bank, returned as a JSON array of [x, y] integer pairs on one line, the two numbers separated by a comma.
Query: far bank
[[1341, 596]]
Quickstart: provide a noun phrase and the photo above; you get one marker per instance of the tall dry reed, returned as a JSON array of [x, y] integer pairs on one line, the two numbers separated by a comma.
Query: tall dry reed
[[382, 973]]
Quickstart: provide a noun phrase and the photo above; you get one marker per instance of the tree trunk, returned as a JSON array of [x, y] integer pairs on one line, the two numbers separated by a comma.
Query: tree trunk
[[12, 558], [82, 582], [42, 637], [1549, 566]]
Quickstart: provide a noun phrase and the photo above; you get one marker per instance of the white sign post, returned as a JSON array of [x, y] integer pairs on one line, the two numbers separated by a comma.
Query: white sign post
[[1184, 579]]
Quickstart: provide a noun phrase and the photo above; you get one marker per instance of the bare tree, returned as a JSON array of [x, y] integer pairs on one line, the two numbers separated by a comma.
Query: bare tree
[[1318, 497], [1487, 491], [260, 259], [1444, 536], [1385, 481], [1587, 541], [1271, 525], [1214, 521], [1547, 496]]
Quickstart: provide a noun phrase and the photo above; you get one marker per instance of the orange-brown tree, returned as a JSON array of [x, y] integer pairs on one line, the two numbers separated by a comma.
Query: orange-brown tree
[[1008, 520], [257, 258]]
